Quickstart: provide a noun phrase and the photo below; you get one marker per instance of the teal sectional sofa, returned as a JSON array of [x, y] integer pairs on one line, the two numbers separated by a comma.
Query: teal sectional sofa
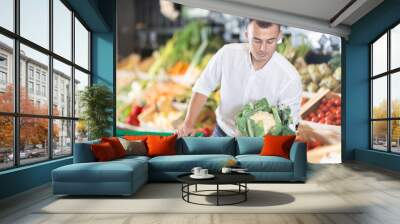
[[125, 176]]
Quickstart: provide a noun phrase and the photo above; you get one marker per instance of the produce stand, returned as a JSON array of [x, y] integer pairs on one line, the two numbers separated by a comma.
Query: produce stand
[[153, 90]]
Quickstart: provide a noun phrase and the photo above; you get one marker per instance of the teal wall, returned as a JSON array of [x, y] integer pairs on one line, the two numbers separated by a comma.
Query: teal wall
[[100, 16], [104, 52], [24, 178], [356, 82]]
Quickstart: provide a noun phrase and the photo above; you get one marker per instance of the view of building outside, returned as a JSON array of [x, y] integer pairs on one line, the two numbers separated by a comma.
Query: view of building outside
[[36, 117], [34, 86], [164, 47], [386, 131]]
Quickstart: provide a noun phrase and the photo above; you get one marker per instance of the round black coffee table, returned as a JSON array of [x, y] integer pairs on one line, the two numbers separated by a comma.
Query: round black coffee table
[[238, 179]]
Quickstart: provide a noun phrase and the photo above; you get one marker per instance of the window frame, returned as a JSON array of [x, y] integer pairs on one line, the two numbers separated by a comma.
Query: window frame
[[16, 114], [388, 74]]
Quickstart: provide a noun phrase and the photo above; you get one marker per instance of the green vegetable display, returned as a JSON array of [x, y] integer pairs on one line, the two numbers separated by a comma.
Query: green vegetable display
[[260, 118], [184, 45]]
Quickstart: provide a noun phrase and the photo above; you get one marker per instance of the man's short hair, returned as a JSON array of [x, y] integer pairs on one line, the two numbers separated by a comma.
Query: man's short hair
[[262, 24]]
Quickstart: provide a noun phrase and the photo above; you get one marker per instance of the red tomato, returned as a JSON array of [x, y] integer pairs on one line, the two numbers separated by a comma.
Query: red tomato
[[337, 102], [328, 114], [315, 119]]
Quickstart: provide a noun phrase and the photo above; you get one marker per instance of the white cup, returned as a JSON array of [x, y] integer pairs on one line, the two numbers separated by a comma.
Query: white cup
[[196, 171], [203, 172], [226, 170]]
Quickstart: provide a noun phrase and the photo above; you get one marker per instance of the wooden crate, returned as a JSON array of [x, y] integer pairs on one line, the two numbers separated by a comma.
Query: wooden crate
[[313, 103], [325, 134]]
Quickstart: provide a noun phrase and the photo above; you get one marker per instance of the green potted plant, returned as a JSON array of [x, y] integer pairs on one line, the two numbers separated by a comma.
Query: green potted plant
[[96, 102]]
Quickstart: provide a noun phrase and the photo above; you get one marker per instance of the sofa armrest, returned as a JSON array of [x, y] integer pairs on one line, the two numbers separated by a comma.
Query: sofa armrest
[[83, 152], [298, 155]]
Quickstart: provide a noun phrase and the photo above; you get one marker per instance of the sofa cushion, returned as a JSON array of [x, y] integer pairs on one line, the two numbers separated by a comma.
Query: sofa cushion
[[185, 163], [103, 151], [161, 145], [116, 145], [136, 137], [257, 163], [206, 145], [134, 147], [112, 171], [277, 145], [131, 158], [249, 145]]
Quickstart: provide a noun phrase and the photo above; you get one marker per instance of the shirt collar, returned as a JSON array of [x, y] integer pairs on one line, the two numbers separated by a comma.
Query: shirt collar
[[251, 64]]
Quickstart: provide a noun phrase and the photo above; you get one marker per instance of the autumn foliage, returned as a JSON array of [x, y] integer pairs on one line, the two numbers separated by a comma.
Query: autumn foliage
[[33, 131], [380, 127]]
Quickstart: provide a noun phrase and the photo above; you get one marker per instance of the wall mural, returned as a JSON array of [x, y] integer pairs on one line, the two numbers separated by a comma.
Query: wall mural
[[164, 47]]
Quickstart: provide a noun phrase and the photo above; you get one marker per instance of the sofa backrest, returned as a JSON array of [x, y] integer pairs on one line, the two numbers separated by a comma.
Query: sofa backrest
[[83, 152], [206, 145], [249, 145], [190, 146]]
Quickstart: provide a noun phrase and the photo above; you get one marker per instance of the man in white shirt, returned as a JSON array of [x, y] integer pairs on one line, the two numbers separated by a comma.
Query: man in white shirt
[[246, 72]]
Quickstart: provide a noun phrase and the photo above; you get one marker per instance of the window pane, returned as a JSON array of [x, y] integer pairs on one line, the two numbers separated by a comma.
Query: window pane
[[395, 138], [35, 21], [34, 80], [379, 55], [379, 135], [81, 45], [395, 94], [395, 47], [62, 138], [62, 89], [81, 81], [33, 139], [62, 29], [6, 74], [6, 142], [379, 97], [7, 14], [81, 131]]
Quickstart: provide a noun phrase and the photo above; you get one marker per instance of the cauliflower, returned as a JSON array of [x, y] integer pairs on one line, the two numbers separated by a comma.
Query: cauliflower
[[260, 118], [263, 120]]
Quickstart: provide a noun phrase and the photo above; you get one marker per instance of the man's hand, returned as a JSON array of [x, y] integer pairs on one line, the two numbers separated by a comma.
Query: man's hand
[[196, 103], [185, 130]]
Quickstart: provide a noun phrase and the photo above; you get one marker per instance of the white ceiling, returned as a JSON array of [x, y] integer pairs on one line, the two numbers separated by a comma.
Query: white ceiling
[[321, 9], [315, 15]]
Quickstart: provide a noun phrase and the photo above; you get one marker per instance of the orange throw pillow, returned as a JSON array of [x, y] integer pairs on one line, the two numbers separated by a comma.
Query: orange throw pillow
[[103, 152], [277, 145], [136, 137], [161, 145], [116, 145]]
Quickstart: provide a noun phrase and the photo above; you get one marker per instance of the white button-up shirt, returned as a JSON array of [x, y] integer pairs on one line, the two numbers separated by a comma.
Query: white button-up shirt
[[240, 83]]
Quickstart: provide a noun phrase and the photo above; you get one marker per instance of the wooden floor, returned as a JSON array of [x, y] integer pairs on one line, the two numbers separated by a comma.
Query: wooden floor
[[377, 188]]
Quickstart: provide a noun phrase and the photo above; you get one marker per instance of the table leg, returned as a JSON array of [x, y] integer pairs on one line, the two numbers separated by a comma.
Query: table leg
[[196, 188], [188, 190], [245, 193], [217, 194]]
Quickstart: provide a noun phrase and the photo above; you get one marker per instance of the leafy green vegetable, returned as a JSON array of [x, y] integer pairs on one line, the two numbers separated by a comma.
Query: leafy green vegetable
[[184, 45], [260, 118]]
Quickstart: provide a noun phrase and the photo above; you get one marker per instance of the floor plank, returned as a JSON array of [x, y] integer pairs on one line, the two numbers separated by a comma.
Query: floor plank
[[377, 190]]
